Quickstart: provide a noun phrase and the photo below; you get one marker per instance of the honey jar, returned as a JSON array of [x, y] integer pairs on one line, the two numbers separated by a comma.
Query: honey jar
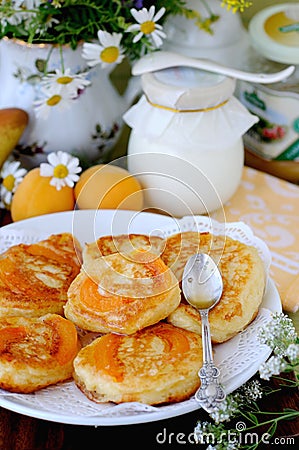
[[272, 144]]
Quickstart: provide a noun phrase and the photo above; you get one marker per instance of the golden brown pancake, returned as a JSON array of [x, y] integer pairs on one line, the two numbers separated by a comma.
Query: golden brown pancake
[[34, 279], [63, 247], [178, 249], [243, 287], [122, 294], [36, 352], [158, 364], [123, 243]]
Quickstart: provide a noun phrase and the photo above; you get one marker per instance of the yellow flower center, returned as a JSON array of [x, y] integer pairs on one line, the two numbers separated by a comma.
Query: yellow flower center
[[64, 80], [60, 171], [147, 27], [9, 182], [109, 54], [54, 100]]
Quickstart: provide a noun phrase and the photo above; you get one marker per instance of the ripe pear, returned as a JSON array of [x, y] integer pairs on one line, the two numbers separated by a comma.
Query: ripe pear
[[13, 122]]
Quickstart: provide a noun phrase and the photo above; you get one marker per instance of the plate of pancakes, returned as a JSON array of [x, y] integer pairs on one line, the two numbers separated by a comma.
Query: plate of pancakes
[[94, 327]]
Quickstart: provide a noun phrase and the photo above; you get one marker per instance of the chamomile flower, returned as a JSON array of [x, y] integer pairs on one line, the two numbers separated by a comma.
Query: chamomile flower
[[63, 168], [107, 52], [52, 101], [11, 176], [147, 25], [59, 81]]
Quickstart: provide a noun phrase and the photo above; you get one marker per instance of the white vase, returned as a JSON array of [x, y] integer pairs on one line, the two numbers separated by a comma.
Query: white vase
[[88, 128]]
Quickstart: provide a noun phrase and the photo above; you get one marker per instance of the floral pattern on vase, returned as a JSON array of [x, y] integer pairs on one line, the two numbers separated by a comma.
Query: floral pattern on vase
[[88, 125]]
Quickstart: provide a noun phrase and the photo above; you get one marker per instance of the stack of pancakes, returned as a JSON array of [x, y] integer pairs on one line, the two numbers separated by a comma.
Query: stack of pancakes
[[126, 292], [37, 344], [129, 289]]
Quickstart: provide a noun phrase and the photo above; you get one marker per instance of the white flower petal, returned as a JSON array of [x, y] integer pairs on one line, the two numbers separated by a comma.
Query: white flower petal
[[135, 14], [151, 13], [158, 27], [46, 170], [137, 37], [20, 173], [156, 39], [7, 197], [68, 182], [133, 27], [90, 50], [63, 158], [53, 159], [158, 36], [57, 183], [159, 14]]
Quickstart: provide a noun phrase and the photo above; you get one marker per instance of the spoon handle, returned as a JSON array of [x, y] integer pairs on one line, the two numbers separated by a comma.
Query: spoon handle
[[210, 392]]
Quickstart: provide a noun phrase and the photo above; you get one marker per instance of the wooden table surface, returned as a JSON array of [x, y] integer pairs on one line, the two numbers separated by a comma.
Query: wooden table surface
[[19, 432]]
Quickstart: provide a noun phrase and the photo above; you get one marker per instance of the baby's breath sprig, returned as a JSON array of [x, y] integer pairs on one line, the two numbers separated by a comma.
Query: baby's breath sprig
[[280, 335], [242, 406]]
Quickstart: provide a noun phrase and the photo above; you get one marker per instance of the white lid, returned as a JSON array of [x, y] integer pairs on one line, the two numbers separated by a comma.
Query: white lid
[[187, 88], [274, 32]]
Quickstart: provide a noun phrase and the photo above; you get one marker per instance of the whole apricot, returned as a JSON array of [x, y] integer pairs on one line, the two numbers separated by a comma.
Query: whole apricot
[[107, 186], [35, 196]]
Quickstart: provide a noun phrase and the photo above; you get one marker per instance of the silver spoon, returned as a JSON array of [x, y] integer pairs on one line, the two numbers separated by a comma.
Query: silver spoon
[[163, 59], [202, 287]]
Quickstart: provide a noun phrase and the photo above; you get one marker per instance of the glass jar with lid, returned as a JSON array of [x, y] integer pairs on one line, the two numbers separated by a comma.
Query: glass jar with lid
[[272, 144], [186, 144]]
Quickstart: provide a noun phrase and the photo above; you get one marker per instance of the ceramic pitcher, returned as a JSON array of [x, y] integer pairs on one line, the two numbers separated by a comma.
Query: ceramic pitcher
[[91, 123]]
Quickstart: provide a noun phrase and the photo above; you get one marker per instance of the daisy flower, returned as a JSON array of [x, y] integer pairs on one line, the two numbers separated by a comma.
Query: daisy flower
[[147, 25], [11, 176], [63, 168], [44, 106], [108, 52], [58, 81]]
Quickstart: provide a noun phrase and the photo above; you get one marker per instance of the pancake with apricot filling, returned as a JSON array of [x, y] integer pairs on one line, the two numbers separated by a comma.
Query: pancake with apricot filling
[[158, 364], [243, 276], [34, 279], [123, 243], [36, 352], [122, 294]]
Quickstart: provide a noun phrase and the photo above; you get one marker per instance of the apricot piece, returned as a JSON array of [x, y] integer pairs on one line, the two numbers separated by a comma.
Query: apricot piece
[[105, 186], [67, 342], [35, 196]]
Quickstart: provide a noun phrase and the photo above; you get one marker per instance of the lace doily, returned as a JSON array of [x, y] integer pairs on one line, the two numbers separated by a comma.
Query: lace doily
[[238, 358]]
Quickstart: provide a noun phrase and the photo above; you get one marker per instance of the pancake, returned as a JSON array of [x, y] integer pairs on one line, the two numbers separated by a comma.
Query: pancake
[[63, 247], [122, 294], [158, 364], [178, 248], [36, 352], [123, 243], [243, 287], [34, 279]]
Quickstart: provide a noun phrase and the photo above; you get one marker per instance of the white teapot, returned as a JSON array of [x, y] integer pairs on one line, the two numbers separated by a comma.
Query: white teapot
[[89, 127]]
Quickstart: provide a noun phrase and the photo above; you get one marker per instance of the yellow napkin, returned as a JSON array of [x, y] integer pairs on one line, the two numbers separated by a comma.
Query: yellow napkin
[[270, 206]]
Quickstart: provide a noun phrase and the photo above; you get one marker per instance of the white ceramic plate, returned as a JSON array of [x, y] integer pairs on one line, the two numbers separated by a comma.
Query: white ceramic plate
[[238, 359]]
